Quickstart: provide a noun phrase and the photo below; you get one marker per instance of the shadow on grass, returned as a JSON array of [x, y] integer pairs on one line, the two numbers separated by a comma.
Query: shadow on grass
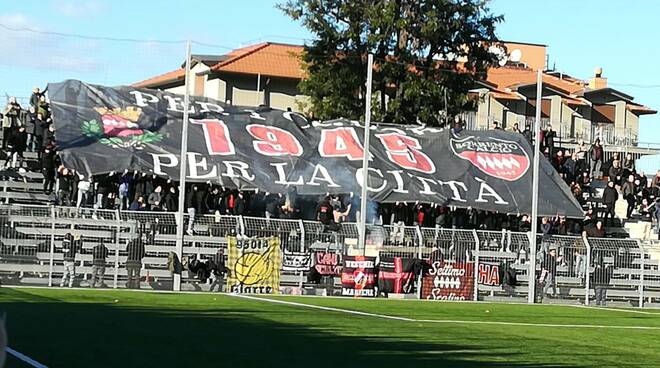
[[62, 334]]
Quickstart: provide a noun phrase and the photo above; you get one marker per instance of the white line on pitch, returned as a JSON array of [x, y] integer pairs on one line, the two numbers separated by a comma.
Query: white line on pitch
[[616, 310], [405, 319], [322, 308], [24, 358]]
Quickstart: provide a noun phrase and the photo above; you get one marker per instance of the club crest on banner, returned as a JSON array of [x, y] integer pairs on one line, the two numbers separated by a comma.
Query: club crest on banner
[[499, 158], [118, 128]]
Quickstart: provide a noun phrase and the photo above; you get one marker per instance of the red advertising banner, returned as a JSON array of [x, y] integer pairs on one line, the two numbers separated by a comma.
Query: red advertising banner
[[449, 281]]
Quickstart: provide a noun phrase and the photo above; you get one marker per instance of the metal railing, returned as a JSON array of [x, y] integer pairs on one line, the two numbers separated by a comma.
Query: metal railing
[[570, 269]]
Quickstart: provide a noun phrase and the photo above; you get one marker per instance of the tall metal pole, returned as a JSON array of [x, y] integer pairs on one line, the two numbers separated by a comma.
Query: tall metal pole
[[362, 224], [259, 100], [182, 167], [535, 189]]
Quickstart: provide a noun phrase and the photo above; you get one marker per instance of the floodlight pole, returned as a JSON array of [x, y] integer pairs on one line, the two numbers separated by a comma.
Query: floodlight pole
[[362, 224], [535, 190], [182, 168]]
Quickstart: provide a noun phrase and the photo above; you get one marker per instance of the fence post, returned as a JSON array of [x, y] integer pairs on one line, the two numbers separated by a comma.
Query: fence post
[[242, 225], [476, 265], [641, 274], [420, 280], [303, 248], [52, 246], [118, 214], [531, 270], [587, 269]]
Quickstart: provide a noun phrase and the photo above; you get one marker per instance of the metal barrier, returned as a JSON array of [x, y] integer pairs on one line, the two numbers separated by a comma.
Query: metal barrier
[[35, 241]]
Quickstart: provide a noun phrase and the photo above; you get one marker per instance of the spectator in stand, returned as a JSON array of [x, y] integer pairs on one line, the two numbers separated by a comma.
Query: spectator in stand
[[64, 185], [495, 126], [193, 206], [49, 136], [527, 133], [581, 160], [10, 120], [595, 231], [143, 185], [239, 205], [549, 138], [569, 167], [589, 219], [546, 227], [155, 199], [610, 196], [577, 193], [103, 189], [44, 106], [525, 224], [616, 172], [596, 157], [136, 252], [18, 144], [515, 128], [585, 183], [30, 121], [70, 247], [324, 212], [560, 226], [628, 166], [138, 204], [40, 126], [125, 182], [273, 203], [558, 163], [170, 202], [628, 191], [99, 255], [457, 126], [84, 184], [48, 169], [35, 97], [643, 180]]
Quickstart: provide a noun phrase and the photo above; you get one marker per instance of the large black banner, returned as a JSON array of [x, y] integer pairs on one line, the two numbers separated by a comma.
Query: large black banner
[[101, 129]]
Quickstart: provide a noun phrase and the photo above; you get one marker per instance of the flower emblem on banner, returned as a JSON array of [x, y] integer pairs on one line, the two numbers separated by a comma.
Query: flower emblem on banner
[[118, 128]]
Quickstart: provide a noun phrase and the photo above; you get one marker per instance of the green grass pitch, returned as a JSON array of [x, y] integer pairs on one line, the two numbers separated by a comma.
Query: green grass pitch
[[89, 328]]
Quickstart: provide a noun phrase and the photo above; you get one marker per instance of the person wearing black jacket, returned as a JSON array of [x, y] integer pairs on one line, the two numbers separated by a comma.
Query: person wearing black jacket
[[136, 252], [49, 135], [610, 196], [40, 126], [596, 159], [170, 200], [99, 255], [18, 144], [601, 278], [628, 190], [64, 187], [48, 169], [70, 247], [549, 271], [239, 205], [549, 139], [193, 206]]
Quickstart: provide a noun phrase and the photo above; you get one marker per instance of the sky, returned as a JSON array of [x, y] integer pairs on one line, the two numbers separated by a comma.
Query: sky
[[581, 35]]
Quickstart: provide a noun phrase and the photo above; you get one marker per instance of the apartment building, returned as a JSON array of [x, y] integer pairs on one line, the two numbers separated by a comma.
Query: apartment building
[[268, 73]]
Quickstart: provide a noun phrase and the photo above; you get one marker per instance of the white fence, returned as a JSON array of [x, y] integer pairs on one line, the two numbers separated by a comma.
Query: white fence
[[584, 270]]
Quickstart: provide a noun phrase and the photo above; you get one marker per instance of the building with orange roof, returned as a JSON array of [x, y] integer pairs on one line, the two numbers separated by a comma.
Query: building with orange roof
[[268, 74]]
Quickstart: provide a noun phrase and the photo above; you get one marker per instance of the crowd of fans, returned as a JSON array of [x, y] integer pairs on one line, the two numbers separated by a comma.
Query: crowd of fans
[[31, 129]]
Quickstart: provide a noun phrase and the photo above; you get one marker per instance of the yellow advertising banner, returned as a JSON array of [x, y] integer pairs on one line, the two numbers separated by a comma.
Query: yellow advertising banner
[[254, 265]]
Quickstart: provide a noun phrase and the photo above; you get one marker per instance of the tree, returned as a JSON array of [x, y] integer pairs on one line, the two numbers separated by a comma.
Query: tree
[[428, 54]]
